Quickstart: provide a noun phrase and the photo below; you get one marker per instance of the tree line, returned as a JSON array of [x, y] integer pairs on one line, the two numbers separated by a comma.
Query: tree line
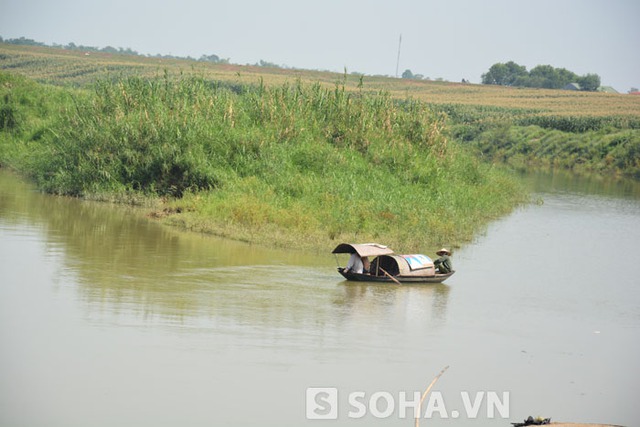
[[541, 76], [128, 51], [109, 49]]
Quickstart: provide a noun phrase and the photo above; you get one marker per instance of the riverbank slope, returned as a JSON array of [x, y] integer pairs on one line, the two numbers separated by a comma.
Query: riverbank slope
[[294, 165]]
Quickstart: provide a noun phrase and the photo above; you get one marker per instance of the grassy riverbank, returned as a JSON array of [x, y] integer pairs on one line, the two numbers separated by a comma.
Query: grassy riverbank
[[298, 165], [527, 139], [583, 132]]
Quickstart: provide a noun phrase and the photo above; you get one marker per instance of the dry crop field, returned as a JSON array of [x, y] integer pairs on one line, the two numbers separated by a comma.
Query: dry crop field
[[77, 68]]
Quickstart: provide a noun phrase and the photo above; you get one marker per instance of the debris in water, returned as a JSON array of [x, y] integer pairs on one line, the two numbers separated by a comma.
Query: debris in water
[[538, 421]]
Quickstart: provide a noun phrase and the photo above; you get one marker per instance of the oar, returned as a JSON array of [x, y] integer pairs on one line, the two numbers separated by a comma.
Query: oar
[[390, 276]]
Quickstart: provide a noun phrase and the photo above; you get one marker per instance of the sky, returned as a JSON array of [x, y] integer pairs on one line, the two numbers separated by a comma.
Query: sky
[[448, 39]]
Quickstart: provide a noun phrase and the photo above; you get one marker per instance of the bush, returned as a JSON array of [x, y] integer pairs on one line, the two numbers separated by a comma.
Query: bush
[[8, 119]]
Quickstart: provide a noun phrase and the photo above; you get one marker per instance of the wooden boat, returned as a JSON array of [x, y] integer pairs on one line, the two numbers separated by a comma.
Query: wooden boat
[[386, 266], [437, 278]]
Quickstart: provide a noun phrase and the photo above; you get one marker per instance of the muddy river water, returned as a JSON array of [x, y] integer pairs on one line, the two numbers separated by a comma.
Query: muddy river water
[[109, 319]]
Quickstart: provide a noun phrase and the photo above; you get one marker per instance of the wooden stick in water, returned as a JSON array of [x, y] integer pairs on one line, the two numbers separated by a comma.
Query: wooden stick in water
[[427, 392]]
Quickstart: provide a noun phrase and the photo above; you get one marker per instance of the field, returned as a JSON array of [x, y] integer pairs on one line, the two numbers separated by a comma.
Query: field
[[65, 67]]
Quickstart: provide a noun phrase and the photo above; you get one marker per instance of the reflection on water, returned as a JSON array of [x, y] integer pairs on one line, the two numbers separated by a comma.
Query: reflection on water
[[563, 182], [112, 319], [403, 304], [120, 259]]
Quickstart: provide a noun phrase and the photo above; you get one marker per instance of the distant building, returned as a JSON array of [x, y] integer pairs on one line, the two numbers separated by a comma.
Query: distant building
[[607, 89], [572, 86], [634, 93], [576, 86]]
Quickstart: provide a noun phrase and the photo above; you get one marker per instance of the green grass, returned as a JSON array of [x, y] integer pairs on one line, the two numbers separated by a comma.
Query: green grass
[[476, 113], [297, 165], [607, 151], [532, 139]]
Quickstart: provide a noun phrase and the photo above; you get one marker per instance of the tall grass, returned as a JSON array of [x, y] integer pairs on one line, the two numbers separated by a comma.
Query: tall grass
[[607, 151], [529, 138], [293, 164], [27, 112]]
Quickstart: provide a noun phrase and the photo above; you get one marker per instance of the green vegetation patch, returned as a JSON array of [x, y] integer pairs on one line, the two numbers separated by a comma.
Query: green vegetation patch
[[531, 139], [292, 165], [606, 151]]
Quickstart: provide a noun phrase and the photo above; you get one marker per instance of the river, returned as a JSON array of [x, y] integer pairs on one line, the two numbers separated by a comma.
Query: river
[[109, 319]]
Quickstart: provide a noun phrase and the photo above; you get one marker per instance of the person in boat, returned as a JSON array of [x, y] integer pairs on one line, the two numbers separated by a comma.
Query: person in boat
[[357, 264], [366, 265], [443, 263]]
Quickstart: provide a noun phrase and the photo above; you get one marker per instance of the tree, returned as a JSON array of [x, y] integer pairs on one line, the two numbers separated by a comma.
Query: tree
[[496, 75], [210, 58], [24, 42], [548, 77], [504, 74], [541, 76], [407, 74], [564, 77], [264, 63], [589, 82]]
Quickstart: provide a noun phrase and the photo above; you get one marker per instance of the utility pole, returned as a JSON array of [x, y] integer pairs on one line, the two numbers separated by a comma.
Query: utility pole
[[398, 62]]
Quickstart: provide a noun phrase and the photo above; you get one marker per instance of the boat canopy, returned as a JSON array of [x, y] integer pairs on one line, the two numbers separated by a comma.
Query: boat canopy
[[416, 265], [363, 249]]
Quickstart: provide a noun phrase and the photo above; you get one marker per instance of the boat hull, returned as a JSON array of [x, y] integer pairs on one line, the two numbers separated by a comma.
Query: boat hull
[[358, 277]]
